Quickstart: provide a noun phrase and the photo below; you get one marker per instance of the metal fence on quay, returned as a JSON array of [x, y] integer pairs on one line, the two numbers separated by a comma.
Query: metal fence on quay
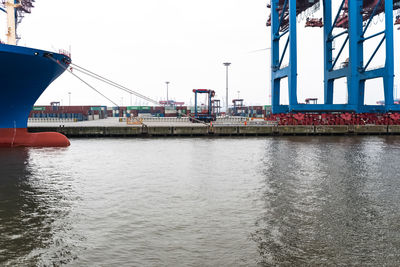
[[39, 120]]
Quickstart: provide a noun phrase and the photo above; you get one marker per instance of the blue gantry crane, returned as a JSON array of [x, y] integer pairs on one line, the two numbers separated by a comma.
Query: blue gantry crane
[[352, 20]]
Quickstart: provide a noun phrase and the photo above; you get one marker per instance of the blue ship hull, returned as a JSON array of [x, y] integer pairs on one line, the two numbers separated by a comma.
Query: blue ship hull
[[24, 75]]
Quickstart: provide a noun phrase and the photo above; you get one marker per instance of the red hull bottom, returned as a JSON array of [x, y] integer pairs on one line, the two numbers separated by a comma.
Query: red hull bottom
[[20, 137]]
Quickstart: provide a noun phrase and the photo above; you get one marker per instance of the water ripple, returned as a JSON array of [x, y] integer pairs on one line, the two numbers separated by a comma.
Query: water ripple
[[286, 201]]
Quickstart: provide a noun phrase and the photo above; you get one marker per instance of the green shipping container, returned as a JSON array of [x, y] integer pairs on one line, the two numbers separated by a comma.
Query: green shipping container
[[39, 108], [95, 108], [267, 107]]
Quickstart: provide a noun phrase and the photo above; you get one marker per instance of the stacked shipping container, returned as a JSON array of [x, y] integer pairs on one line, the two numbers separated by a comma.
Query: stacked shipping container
[[100, 112], [71, 112]]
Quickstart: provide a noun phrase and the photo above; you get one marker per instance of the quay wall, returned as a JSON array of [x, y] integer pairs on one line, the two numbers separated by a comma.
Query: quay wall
[[240, 130]]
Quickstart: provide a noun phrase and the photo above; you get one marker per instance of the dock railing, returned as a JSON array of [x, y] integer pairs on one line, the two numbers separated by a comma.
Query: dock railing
[[153, 119], [40, 120], [221, 121]]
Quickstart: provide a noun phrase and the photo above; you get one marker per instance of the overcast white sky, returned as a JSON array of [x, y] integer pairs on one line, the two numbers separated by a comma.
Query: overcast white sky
[[142, 44]]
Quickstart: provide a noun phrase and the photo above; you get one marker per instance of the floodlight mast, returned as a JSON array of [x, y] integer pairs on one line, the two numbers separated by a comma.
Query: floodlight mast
[[227, 64]]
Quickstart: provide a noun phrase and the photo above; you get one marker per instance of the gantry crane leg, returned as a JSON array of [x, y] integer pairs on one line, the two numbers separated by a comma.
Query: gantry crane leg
[[354, 28]]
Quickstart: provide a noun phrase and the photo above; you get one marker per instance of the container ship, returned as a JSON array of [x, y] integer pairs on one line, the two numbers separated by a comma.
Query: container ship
[[25, 73]]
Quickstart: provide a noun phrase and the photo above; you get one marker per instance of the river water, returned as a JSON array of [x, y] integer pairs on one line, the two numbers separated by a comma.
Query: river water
[[276, 201]]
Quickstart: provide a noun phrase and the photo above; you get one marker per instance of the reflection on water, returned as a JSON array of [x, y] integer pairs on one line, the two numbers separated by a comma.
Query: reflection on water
[[330, 201], [12, 201], [34, 208], [288, 201]]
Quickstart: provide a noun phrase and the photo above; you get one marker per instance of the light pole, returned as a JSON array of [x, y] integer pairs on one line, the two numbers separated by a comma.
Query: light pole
[[227, 64], [131, 99], [69, 98], [167, 83]]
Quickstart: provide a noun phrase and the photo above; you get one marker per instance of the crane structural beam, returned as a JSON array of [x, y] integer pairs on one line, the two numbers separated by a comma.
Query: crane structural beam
[[351, 23]]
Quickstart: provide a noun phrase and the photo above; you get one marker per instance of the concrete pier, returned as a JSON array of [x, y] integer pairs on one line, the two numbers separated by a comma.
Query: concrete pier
[[114, 128]]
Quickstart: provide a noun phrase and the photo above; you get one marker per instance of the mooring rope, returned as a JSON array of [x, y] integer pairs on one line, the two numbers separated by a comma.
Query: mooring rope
[[89, 85], [105, 80], [112, 83]]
